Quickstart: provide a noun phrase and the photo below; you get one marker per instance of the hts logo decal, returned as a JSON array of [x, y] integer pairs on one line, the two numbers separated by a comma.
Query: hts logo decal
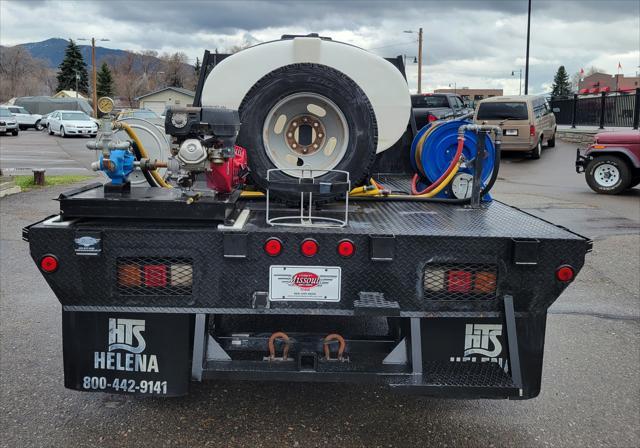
[[122, 332], [481, 344], [482, 339], [122, 335]]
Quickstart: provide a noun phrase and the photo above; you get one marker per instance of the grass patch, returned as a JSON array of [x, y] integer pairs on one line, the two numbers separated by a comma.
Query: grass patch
[[26, 182]]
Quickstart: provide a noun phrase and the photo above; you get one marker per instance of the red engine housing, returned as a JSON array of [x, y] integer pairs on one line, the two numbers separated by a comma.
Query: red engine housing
[[227, 176]]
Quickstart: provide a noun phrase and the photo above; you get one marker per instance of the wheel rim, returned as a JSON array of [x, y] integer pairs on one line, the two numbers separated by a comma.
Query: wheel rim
[[305, 130], [606, 175]]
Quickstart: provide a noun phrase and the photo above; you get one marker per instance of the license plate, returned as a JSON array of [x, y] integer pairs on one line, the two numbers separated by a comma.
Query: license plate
[[304, 283], [3, 129], [511, 132]]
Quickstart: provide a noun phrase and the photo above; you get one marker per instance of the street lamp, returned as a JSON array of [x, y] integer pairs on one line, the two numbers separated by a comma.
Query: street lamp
[[94, 93], [419, 33], [455, 88], [513, 73]]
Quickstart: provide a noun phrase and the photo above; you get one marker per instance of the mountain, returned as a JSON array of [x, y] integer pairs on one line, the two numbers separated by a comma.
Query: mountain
[[52, 51]]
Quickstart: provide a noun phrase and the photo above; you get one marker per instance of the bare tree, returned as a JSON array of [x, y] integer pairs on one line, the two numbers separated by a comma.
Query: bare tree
[[21, 74], [177, 71], [128, 79]]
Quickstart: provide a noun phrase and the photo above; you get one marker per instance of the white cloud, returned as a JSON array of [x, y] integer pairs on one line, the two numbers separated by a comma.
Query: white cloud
[[475, 44]]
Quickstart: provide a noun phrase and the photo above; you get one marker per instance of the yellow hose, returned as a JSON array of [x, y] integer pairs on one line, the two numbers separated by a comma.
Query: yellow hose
[[131, 133]]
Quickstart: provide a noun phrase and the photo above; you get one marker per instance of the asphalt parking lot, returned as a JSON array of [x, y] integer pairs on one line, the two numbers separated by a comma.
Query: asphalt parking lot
[[591, 379]]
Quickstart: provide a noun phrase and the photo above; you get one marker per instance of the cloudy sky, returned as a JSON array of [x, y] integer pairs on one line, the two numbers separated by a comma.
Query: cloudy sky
[[470, 43]]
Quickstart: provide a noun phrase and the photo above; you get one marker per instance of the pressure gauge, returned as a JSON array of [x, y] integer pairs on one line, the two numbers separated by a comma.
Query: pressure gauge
[[461, 185], [105, 104]]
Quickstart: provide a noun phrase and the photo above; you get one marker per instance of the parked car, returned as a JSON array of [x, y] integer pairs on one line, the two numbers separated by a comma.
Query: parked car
[[527, 122], [25, 118], [70, 122], [8, 123], [428, 107], [611, 164], [145, 114]]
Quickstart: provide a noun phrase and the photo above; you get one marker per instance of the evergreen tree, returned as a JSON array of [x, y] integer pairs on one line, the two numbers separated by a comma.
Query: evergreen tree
[[104, 81], [561, 84], [197, 68], [71, 64]]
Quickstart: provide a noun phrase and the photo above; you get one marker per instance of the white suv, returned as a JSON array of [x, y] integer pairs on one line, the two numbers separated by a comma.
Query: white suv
[[8, 123], [25, 118]]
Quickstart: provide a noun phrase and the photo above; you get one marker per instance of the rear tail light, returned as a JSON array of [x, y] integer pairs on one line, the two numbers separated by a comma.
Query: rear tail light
[[485, 282], [309, 247], [565, 273], [148, 275], [532, 131], [155, 276], [432, 118], [346, 248], [129, 275], [273, 247], [49, 263], [459, 281]]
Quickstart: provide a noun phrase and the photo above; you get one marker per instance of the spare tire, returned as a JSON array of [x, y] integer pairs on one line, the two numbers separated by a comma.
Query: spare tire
[[307, 116]]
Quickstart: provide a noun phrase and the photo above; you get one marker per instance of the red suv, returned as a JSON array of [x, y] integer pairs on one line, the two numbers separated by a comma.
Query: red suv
[[612, 163]]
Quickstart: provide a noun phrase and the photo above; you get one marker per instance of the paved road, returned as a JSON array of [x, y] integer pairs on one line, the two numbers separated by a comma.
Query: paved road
[[36, 149], [591, 384]]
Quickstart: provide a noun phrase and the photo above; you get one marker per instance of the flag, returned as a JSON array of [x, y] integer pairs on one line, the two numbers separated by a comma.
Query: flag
[[581, 72], [619, 66]]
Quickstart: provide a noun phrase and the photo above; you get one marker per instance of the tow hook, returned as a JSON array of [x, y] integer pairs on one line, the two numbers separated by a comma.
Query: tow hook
[[272, 347], [331, 339]]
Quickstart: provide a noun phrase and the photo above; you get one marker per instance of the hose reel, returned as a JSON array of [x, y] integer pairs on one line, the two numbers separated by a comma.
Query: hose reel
[[444, 157]]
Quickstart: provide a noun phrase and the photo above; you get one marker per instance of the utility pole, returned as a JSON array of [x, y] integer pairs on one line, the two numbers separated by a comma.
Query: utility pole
[[94, 92], [420, 60], [526, 70], [77, 78], [94, 76]]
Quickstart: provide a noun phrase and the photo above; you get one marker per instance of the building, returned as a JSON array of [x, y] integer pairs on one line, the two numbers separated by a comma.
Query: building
[[472, 95], [159, 100], [69, 94], [603, 82]]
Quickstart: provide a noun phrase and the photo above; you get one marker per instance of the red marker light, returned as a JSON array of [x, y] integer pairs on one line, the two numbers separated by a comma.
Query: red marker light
[[309, 248], [49, 263], [532, 131], [346, 248], [565, 273], [273, 247]]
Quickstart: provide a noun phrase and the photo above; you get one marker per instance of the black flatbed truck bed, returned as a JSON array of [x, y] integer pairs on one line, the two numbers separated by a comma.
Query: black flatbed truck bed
[[437, 299]]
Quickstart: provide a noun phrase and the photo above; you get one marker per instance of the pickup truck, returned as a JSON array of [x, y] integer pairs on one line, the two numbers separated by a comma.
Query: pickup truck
[[428, 107]]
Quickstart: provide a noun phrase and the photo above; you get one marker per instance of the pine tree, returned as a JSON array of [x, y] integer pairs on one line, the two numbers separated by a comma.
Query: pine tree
[[561, 84], [197, 68], [71, 64], [104, 81]]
